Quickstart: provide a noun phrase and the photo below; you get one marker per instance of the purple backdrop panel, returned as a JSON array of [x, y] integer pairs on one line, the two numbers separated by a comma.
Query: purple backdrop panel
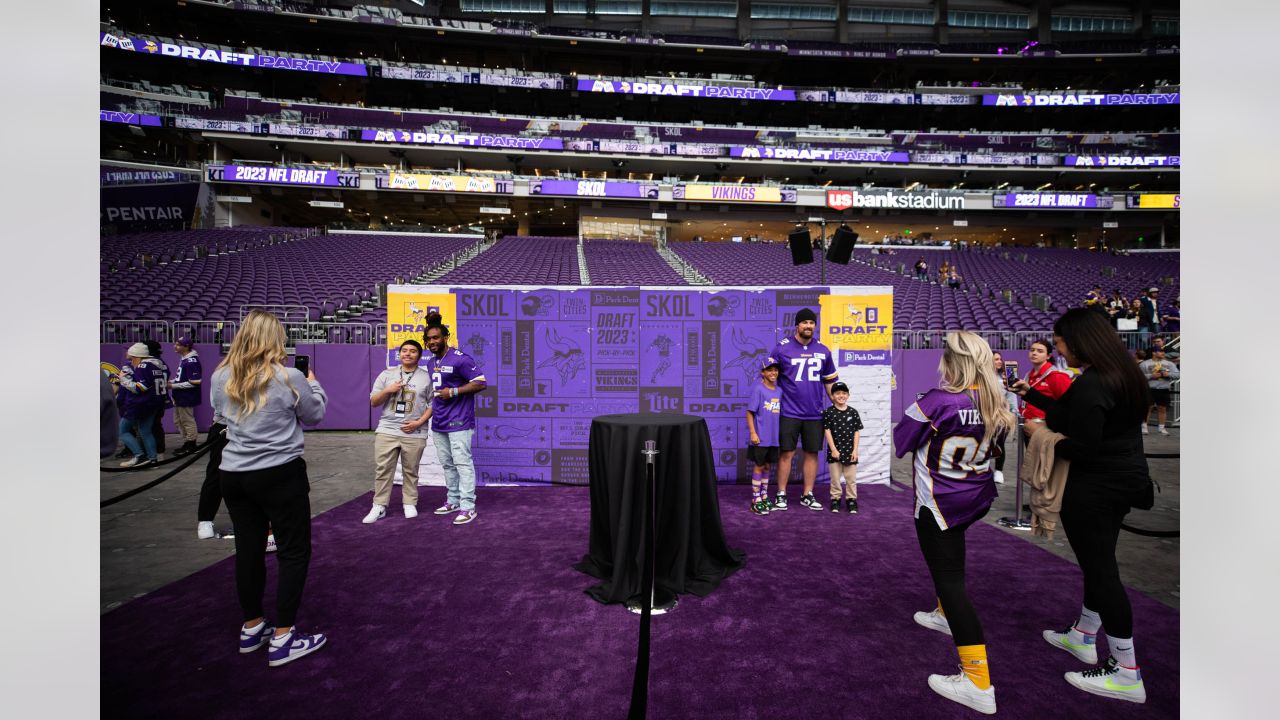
[[348, 391]]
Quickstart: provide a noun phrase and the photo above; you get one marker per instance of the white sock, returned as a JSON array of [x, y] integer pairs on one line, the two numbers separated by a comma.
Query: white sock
[[1160, 427], [1122, 651], [1089, 623], [256, 628], [279, 640]]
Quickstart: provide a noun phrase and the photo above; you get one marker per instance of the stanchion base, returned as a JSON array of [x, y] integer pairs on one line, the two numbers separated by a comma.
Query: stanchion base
[[663, 603], [1015, 523]]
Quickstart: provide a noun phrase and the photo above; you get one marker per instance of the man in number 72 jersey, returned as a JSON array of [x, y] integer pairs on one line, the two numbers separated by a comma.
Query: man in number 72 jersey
[[807, 372]]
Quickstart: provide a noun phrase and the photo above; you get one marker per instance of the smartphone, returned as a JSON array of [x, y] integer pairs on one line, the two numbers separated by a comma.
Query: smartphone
[[303, 364], [1011, 371]]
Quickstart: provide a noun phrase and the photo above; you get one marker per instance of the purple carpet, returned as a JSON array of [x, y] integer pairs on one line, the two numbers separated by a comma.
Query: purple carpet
[[489, 620]]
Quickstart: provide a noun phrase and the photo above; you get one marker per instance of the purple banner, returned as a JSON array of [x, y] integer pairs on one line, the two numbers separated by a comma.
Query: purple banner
[[307, 131], [1123, 160], [130, 118], [629, 87], [594, 188], [236, 126], [836, 52], [824, 154], [316, 177], [225, 57], [1069, 99], [1061, 201], [439, 138]]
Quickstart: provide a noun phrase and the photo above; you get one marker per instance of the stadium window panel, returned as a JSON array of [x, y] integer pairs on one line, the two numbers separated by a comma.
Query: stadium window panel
[[503, 6], [578, 7], [997, 21], [771, 11], [1061, 23], [618, 7], [885, 16], [694, 9], [1165, 26]]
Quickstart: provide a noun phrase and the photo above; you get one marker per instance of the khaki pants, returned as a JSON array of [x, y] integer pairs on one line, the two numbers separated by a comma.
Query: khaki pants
[[386, 449], [849, 473], [185, 419]]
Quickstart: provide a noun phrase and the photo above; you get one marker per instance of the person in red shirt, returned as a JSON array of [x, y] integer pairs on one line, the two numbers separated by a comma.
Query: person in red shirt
[[1045, 378]]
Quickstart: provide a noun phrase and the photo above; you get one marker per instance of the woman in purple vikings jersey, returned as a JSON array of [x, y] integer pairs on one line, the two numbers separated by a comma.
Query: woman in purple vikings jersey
[[138, 408], [954, 432], [1099, 415]]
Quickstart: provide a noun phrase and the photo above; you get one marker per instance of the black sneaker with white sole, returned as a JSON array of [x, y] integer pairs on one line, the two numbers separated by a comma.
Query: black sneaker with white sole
[[811, 502], [851, 506], [780, 502]]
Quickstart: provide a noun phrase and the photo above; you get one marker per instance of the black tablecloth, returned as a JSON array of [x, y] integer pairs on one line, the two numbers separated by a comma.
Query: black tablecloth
[[692, 555]]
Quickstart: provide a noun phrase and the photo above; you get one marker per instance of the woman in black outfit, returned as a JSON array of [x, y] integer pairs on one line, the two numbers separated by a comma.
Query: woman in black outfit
[[1100, 415]]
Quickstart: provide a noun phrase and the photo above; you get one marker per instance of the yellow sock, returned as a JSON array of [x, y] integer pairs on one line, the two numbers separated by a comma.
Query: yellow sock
[[940, 610], [973, 660]]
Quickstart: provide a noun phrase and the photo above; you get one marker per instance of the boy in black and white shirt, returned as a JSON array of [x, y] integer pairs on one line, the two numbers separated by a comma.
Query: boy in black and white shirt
[[842, 427]]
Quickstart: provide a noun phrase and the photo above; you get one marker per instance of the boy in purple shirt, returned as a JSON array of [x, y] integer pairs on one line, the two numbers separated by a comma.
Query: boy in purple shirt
[[456, 379], [764, 408], [807, 371]]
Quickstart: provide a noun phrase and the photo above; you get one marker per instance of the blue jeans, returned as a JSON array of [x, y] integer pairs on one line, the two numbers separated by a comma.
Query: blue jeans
[[453, 449], [131, 429]]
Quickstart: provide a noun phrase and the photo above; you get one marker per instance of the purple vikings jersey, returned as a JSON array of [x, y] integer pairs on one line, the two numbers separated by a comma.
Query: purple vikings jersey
[[145, 391], [766, 406], [453, 370], [952, 468], [186, 387], [805, 370]]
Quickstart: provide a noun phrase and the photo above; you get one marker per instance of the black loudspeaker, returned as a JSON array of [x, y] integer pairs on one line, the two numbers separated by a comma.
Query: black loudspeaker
[[842, 245], [801, 247]]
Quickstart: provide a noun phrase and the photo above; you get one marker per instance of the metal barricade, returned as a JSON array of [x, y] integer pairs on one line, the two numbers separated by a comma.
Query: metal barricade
[[286, 313], [339, 333], [220, 332], [132, 331]]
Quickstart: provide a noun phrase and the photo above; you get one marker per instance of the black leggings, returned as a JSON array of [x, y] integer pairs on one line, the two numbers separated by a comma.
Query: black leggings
[[157, 430], [211, 490], [1091, 518], [275, 497], [944, 554]]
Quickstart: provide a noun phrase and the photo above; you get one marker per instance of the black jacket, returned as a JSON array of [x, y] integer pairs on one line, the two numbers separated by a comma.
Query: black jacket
[[1103, 441]]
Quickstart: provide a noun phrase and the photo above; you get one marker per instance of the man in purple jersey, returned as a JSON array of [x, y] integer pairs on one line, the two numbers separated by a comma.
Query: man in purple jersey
[[456, 379], [807, 372], [186, 393]]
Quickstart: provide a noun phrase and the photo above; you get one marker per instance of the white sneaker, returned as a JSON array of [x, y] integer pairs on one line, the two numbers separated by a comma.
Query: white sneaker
[[1144, 428], [464, 517], [1163, 431], [446, 508], [375, 514], [999, 477], [1112, 681], [961, 689], [271, 543], [410, 511], [1086, 653], [204, 530], [934, 621]]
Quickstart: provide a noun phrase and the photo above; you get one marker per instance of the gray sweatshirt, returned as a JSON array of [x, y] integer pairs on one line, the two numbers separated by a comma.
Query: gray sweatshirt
[[272, 436], [1148, 367]]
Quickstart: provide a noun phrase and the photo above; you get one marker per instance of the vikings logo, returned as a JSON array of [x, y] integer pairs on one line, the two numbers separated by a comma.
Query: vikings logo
[[749, 356], [568, 359], [853, 313], [537, 305], [151, 47], [719, 305]]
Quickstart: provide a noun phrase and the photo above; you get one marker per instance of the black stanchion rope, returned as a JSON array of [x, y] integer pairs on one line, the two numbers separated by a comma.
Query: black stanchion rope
[[189, 459]]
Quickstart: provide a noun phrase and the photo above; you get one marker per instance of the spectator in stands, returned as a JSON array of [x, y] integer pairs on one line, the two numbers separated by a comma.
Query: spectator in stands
[[808, 373], [1149, 315], [1095, 300], [404, 394], [1046, 378], [264, 479], [953, 279], [953, 431], [1171, 321], [1099, 418], [161, 370], [138, 410], [1117, 306], [186, 393], [456, 379], [1160, 373], [922, 270]]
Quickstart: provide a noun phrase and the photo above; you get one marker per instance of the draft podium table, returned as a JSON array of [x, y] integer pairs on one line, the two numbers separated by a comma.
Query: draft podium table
[[692, 555]]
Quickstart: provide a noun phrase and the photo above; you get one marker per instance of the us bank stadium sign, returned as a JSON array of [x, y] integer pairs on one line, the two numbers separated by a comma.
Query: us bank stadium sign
[[933, 200]]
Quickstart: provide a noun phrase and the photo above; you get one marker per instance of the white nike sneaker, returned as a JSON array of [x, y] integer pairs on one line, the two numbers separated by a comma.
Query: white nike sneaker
[[1111, 680], [410, 511], [1086, 652], [375, 514], [961, 689], [934, 621], [204, 530]]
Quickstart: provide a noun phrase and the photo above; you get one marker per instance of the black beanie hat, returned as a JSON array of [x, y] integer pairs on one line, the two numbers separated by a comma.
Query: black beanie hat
[[805, 314]]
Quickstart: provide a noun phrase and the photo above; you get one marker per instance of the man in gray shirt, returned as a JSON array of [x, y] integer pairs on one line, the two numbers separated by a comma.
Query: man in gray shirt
[[404, 393], [1160, 372]]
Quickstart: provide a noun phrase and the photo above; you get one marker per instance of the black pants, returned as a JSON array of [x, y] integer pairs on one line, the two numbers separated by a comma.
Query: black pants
[[278, 498], [1091, 518], [944, 554], [157, 430], [211, 490]]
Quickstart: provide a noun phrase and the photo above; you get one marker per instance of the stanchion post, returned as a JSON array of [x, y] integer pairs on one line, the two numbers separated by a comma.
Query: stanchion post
[[640, 683], [1016, 522]]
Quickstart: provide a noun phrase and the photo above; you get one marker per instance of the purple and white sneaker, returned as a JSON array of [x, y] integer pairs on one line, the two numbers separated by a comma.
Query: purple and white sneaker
[[464, 517], [251, 640], [290, 647]]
